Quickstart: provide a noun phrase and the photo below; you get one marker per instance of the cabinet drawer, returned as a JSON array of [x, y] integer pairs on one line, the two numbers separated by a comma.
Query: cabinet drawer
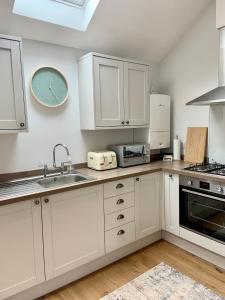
[[119, 237], [118, 187], [117, 203], [119, 218], [159, 140]]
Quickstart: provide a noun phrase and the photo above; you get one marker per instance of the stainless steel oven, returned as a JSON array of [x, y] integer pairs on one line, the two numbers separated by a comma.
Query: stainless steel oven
[[202, 207]]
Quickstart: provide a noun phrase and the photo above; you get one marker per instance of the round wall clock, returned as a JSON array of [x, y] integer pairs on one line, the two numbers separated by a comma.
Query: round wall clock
[[49, 87]]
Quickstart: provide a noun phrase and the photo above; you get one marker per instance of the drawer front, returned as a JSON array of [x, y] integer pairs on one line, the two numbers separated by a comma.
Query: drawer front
[[117, 203], [118, 187], [119, 218], [159, 140], [119, 237]]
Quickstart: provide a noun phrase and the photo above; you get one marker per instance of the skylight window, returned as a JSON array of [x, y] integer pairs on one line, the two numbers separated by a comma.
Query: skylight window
[[79, 3], [75, 14]]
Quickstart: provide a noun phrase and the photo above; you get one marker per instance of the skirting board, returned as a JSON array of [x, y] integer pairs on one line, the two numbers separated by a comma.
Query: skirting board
[[60, 281], [195, 249]]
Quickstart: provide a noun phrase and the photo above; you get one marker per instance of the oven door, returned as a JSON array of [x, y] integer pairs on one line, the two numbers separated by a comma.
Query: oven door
[[203, 213]]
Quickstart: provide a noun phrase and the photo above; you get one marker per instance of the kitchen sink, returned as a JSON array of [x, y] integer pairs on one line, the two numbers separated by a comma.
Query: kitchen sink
[[53, 181]]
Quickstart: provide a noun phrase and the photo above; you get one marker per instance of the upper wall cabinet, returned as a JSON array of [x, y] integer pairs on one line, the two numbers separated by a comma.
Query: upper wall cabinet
[[220, 14], [12, 98], [113, 92]]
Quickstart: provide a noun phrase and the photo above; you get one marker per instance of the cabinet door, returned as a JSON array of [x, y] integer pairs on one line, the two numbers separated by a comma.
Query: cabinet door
[[73, 227], [109, 82], [136, 94], [12, 99], [147, 204], [171, 195], [21, 247]]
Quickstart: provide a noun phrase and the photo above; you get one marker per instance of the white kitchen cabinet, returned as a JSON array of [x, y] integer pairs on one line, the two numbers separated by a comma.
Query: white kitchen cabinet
[[12, 99], [73, 229], [113, 92], [136, 94], [21, 247], [171, 199], [220, 14], [147, 204], [108, 78]]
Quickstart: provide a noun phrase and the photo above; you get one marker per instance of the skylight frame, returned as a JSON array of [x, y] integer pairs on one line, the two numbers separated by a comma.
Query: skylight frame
[[58, 12], [77, 3]]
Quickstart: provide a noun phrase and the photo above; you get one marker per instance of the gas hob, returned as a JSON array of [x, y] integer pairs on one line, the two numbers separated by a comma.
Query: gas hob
[[216, 169]]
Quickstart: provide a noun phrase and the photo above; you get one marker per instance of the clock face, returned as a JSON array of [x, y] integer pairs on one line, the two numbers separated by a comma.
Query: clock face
[[49, 87]]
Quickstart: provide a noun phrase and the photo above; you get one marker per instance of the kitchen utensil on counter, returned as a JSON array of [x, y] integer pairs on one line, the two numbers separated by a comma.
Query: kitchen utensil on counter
[[196, 144], [176, 148], [102, 160], [131, 154], [168, 157]]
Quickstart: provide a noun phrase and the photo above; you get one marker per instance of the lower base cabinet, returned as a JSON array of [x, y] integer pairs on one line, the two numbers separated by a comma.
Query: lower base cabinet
[[147, 204], [171, 205], [44, 238], [21, 247], [73, 229]]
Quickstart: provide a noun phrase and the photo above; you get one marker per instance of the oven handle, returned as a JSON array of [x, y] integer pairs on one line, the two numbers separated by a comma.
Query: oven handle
[[203, 195]]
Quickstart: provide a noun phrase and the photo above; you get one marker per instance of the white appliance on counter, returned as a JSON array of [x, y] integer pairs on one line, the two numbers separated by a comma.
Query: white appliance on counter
[[102, 160]]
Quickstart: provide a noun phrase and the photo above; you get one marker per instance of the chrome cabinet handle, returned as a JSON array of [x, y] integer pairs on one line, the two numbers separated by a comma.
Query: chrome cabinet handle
[[120, 217], [46, 200], [119, 186], [37, 202], [22, 124], [121, 232], [120, 201]]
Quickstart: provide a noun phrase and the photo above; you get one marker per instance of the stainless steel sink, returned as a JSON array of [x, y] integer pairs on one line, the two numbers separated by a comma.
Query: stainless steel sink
[[53, 181]]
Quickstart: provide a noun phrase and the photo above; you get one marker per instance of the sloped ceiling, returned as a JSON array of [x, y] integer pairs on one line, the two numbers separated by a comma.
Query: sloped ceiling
[[143, 29]]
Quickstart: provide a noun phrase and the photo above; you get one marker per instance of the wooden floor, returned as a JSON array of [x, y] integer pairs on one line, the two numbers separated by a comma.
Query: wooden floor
[[102, 282]]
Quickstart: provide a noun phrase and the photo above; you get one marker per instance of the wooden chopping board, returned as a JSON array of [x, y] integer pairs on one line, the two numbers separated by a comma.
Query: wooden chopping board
[[196, 144]]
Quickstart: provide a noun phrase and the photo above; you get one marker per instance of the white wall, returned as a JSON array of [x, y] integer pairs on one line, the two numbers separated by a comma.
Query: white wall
[[47, 127], [217, 134], [190, 70]]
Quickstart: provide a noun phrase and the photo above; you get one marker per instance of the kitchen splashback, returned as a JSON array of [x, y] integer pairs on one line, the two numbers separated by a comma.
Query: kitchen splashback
[[216, 143]]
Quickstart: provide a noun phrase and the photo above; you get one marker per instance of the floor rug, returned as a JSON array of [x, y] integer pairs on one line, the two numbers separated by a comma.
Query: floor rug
[[163, 283]]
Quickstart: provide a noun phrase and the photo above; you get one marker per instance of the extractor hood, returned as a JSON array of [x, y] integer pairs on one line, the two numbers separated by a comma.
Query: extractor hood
[[217, 95]]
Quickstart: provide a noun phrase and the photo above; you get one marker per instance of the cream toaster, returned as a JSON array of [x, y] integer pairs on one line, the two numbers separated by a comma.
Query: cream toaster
[[102, 160]]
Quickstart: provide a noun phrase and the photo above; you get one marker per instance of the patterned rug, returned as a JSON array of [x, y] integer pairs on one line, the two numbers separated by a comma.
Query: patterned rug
[[163, 283]]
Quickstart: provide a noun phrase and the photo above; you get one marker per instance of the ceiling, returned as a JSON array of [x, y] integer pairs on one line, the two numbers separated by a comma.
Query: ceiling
[[142, 29]]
